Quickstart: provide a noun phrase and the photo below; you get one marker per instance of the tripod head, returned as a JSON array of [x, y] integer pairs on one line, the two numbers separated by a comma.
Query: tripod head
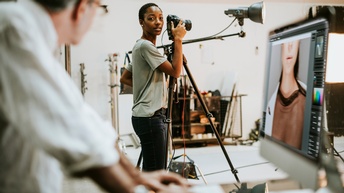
[[169, 50]]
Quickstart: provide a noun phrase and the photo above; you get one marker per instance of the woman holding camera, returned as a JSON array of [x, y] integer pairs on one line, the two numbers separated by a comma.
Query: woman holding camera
[[146, 74]]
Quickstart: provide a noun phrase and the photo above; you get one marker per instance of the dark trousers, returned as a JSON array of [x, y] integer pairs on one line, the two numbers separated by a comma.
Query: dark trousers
[[152, 132]]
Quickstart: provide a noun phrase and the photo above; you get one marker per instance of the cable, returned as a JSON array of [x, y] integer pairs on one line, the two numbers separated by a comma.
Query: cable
[[222, 171], [163, 33], [213, 173], [162, 44], [214, 34], [337, 153]]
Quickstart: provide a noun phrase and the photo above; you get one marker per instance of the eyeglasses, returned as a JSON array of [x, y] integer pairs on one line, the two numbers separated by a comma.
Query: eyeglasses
[[103, 8]]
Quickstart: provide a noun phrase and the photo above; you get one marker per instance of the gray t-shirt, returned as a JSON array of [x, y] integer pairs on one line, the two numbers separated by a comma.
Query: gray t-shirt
[[149, 83]]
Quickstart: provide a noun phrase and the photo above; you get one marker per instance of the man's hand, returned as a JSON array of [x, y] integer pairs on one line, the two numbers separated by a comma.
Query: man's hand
[[173, 188], [163, 182]]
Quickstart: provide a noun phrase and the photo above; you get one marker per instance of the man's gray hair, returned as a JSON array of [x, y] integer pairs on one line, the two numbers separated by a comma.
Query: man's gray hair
[[57, 5]]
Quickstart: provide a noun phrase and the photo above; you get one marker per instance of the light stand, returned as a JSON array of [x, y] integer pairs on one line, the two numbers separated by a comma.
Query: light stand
[[255, 12], [114, 85]]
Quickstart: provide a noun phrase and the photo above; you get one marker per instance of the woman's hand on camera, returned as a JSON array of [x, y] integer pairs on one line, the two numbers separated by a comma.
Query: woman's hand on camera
[[179, 31]]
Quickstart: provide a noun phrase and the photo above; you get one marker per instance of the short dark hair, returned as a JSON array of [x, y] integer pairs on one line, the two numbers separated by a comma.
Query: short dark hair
[[144, 8]]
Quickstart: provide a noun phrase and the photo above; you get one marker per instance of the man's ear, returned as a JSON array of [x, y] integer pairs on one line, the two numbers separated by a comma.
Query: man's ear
[[80, 9]]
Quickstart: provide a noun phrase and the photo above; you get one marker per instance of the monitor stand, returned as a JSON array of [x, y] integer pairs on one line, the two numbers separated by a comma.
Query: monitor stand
[[329, 165]]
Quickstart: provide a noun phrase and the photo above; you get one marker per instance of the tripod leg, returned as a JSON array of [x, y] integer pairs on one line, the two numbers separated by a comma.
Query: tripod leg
[[139, 161], [199, 170], [122, 146], [172, 83], [209, 115]]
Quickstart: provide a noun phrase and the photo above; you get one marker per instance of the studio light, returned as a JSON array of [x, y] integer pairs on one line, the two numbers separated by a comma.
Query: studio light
[[256, 13]]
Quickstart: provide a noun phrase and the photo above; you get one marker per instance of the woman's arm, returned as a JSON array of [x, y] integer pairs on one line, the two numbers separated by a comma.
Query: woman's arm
[[175, 68], [127, 78]]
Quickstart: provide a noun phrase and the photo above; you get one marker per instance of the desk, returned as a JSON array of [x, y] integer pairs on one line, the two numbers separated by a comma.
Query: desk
[[293, 191], [207, 189]]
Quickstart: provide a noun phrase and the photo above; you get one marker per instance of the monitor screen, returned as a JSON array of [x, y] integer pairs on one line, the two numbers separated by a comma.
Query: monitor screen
[[293, 101]]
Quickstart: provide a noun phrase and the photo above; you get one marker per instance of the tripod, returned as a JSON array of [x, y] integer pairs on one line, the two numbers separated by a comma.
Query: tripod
[[172, 81], [204, 107]]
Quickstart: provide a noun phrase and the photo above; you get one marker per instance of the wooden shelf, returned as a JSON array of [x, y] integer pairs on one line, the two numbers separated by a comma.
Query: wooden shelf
[[221, 108]]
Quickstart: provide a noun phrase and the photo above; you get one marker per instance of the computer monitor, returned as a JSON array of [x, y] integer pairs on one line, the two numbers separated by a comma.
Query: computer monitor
[[293, 101]]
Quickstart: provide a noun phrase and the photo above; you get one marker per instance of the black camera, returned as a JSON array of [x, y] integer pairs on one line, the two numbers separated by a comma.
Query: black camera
[[175, 19]]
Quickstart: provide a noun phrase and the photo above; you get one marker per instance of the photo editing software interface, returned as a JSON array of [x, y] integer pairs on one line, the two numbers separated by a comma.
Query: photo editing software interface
[[296, 58]]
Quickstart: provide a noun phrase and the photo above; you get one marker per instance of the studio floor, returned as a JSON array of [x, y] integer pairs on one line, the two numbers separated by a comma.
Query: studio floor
[[216, 170]]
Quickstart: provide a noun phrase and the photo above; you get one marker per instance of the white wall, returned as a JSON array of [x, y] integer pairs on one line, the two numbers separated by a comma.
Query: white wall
[[117, 31]]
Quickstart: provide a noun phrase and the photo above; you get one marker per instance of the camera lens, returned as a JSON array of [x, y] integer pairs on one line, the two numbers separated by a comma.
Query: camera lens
[[188, 24], [175, 19]]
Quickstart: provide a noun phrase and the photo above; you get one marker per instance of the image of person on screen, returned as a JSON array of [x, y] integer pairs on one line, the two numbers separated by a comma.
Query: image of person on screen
[[287, 104], [146, 74]]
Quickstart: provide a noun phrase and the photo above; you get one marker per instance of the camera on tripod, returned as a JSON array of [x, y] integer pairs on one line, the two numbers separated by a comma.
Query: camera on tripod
[[175, 19]]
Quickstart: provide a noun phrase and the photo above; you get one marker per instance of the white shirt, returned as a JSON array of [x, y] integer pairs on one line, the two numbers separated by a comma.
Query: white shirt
[[45, 125]]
